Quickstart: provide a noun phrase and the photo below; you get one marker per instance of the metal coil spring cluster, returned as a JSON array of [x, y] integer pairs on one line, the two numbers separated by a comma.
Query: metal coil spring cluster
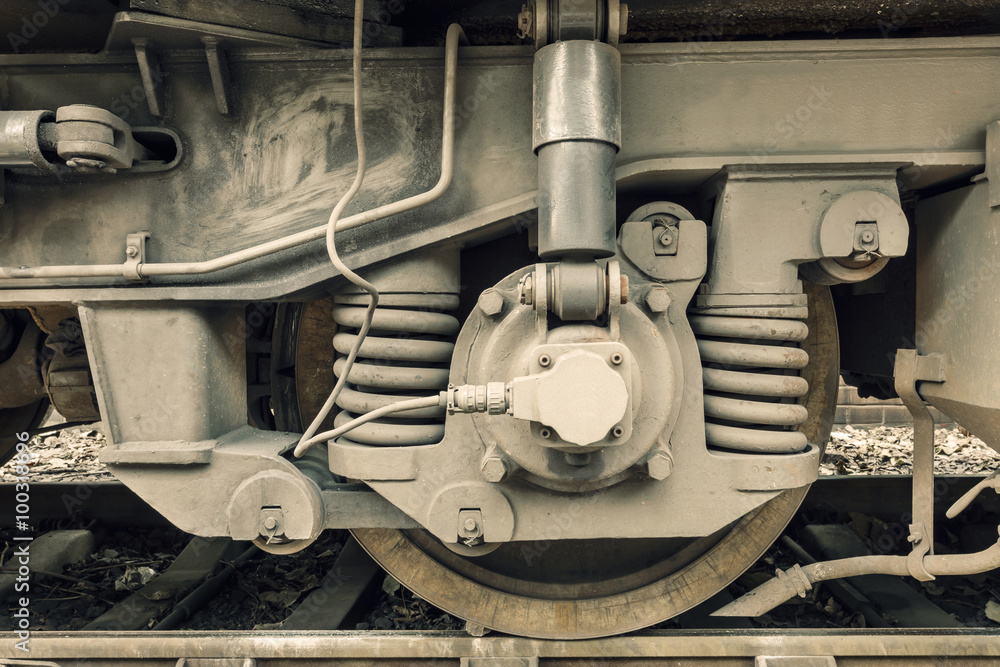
[[751, 382], [407, 354]]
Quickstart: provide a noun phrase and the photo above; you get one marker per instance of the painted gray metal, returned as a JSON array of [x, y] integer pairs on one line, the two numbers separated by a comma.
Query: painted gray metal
[[920, 102]]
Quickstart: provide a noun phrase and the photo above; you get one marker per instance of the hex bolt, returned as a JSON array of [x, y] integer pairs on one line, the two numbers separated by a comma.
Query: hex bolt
[[544, 360], [666, 238], [867, 237], [132, 251], [270, 523], [470, 525], [617, 358], [491, 302], [659, 466], [658, 299], [494, 469], [617, 431], [545, 433]]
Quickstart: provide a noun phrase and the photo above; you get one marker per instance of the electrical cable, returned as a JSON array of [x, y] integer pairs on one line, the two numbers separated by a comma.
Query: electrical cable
[[399, 406], [307, 440]]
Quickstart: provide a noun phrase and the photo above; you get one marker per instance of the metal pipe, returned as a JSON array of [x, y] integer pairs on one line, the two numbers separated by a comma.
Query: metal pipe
[[787, 584], [455, 36], [576, 134]]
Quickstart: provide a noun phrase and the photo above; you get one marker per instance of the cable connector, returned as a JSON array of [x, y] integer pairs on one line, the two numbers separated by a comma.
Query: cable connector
[[493, 398]]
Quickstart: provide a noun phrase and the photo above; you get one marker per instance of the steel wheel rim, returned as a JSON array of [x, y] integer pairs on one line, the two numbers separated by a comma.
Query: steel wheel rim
[[725, 559]]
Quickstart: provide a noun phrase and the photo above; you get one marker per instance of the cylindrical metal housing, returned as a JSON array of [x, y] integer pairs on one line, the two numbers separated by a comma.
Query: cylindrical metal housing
[[576, 134], [19, 145], [576, 199], [577, 94]]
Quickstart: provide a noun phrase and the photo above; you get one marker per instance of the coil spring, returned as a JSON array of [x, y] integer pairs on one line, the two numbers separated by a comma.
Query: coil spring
[[407, 354], [750, 367]]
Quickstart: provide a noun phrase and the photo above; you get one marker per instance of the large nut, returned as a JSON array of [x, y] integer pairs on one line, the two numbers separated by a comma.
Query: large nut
[[658, 299], [491, 302], [494, 468], [660, 465]]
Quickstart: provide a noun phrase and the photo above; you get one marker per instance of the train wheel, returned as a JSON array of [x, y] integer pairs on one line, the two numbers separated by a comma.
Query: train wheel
[[572, 589], [18, 327]]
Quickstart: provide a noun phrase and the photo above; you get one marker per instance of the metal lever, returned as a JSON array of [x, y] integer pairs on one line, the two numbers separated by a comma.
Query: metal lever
[[89, 139], [991, 482]]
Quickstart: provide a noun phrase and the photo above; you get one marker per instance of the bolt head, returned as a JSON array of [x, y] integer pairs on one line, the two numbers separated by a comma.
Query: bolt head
[[867, 237], [660, 466], [617, 358], [491, 303], [617, 431], [658, 299], [131, 251], [544, 360], [470, 525], [494, 469], [270, 523], [666, 238]]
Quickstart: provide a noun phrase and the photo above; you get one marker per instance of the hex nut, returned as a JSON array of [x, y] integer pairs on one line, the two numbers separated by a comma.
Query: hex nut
[[491, 302], [494, 469], [660, 466], [658, 299]]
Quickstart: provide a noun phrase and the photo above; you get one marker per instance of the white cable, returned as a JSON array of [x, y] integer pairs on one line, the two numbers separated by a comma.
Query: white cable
[[392, 408], [307, 439]]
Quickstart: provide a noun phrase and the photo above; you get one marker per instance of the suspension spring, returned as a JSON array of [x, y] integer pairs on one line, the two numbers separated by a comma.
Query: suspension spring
[[750, 372], [407, 354]]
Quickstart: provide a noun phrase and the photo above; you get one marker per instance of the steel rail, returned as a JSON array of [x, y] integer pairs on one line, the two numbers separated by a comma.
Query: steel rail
[[146, 270], [733, 647]]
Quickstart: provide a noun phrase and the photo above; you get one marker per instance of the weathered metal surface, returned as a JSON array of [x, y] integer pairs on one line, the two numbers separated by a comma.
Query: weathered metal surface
[[853, 648], [847, 71], [958, 299]]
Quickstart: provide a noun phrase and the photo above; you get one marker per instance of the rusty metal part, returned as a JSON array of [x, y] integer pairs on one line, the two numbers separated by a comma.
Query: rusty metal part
[[68, 381], [21, 373]]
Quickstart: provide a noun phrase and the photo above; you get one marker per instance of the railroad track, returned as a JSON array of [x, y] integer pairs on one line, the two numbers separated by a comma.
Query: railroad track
[[699, 638]]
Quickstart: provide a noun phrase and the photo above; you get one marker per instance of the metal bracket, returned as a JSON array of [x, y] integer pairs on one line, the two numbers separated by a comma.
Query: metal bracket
[[540, 294], [152, 76], [135, 256], [94, 139], [993, 161], [617, 295], [912, 368], [923, 544], [218, 69]]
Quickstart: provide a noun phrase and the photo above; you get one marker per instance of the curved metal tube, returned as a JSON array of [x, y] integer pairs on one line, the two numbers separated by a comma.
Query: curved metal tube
[[787, 584], [455, 36]]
